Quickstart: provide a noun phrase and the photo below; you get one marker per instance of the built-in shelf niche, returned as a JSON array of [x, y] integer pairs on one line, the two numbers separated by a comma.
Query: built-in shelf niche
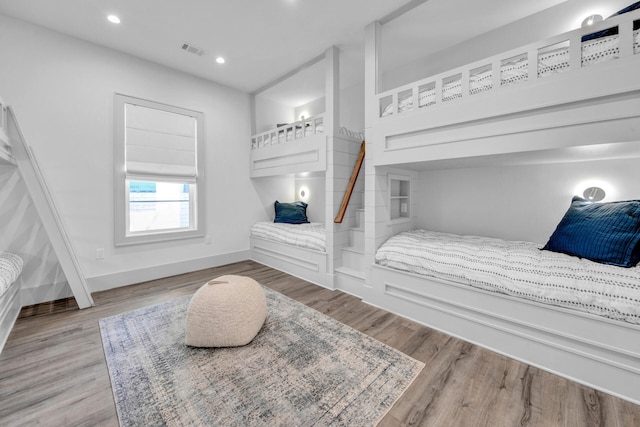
[[399, 198]]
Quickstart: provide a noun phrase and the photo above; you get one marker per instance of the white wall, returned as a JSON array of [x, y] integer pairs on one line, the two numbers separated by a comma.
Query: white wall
[[516, 202], [312, 108], [270, 189], [62, 91], [316, 196], [269, 113], [352, 107]]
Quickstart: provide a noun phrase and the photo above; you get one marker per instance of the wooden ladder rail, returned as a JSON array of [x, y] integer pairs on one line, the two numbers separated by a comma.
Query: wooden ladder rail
[[352, 183]]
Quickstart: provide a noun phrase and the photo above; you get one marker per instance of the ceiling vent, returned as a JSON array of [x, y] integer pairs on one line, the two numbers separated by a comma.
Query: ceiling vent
[[193, 49]]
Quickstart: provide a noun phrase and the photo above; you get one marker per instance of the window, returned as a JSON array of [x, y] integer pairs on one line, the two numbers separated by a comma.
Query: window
[[159, 173]]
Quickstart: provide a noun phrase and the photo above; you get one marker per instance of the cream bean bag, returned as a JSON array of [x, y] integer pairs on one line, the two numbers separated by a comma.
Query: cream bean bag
[[228, 311]]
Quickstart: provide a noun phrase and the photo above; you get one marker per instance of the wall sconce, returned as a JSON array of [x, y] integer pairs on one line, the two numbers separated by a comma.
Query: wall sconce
[[594, 194], [304, 115], [303, 193], [590, 20]]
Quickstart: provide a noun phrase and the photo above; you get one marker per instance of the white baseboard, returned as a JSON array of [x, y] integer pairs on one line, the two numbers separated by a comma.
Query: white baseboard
[[45, 292], [124, 278]]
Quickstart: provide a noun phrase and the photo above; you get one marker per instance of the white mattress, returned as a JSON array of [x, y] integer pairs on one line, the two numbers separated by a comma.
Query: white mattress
[[516, 70], [10, 269], [520, 269], [307, 236]]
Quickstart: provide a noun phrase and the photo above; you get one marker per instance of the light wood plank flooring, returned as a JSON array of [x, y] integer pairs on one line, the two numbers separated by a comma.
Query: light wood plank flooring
[[53, 371]]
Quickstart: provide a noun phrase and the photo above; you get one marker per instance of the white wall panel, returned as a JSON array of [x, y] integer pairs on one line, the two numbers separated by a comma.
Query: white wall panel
[[516, 202]]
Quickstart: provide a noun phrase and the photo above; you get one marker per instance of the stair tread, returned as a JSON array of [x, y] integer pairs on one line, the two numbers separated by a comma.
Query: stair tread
[[353, 249], [351, 272]]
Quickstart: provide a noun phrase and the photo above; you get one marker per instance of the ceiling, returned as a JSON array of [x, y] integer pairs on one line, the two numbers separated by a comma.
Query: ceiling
[[263, 40]]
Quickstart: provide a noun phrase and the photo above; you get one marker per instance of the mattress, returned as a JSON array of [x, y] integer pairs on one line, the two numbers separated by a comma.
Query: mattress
[[519, 269], [10, 269], [307, 236], [514, 70]]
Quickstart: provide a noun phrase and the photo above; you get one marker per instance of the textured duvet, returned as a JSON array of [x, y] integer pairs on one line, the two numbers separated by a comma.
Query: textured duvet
[[519, 269]]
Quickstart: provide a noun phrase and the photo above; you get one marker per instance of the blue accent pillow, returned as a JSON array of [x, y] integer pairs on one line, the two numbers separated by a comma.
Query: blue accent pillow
[[614, 30], [607, 233], [291, 213]]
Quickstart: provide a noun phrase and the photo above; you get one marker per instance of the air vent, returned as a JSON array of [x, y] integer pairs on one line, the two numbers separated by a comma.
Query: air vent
[[193, 49]]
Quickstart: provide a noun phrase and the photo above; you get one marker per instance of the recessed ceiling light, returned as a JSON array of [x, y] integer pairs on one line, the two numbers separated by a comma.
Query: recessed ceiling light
[[220, 60], [114, 19]]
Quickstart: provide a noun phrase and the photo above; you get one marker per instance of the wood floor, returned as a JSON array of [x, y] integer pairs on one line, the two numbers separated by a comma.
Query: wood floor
[[53, 371]]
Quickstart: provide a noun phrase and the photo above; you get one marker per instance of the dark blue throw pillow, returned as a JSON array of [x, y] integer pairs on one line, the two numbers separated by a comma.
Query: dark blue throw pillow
[[614, 30], [607, 233], [291, 213]]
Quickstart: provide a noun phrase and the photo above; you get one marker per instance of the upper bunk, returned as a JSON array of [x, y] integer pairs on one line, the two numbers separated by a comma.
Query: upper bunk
[[575, 89], [295, 115], [6, 157]]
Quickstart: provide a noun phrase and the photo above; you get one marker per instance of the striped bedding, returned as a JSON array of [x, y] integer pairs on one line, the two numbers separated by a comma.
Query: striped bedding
[[308, 236], [519, 269], [10, 269]]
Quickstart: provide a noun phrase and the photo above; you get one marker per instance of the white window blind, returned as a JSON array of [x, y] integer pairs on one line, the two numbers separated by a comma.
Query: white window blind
[[160, 143]]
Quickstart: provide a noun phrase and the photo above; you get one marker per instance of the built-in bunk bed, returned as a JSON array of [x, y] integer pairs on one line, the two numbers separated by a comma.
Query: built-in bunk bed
[[566, 314], [10, 263], [312, 151]]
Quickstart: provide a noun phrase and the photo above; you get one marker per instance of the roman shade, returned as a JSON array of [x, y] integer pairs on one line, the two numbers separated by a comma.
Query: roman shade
[[159, 143]]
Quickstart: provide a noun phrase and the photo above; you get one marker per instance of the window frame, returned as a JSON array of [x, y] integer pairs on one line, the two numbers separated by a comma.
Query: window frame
[[121, 191]]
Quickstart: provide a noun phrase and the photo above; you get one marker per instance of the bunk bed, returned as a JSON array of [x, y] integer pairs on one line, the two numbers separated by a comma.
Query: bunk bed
[[314, 146], [291, 243], [301, 249], [292, 148], [573, 90], [10, 268], [579, 88], [10, 263]]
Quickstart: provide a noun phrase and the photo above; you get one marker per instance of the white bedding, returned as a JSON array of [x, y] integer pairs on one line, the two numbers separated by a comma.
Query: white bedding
[[516, 70], [10, 269], [308, 236], [520, 269]]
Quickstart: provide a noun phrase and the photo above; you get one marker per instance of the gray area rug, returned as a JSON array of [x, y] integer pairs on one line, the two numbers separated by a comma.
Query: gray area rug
[[302, 369]]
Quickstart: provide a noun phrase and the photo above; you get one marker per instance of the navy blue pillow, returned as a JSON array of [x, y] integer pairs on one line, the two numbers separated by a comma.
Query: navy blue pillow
[[607, 233], [291, 213], [614, 30]]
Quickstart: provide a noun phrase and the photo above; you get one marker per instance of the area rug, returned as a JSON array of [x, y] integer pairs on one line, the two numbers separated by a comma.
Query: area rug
[[302, 369]]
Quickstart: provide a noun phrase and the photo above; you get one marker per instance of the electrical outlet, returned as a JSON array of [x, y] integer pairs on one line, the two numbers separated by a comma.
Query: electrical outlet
[[403, 207], [207, 239], [99, 253]]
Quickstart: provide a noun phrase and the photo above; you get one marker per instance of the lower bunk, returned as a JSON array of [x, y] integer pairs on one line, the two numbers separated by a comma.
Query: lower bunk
[[579, 343], [10, 269], [296, 249]]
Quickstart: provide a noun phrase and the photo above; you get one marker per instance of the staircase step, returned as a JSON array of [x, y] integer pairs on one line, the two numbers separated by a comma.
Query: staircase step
[[351, 272]]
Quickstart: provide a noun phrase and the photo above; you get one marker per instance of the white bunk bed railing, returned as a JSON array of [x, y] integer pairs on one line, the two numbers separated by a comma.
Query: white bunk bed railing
[[293, 148], [522, 66], [289, 133]]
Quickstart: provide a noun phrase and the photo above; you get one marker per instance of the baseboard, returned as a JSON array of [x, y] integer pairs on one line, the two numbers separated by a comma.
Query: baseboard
[[124, 278], [44, 293]]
